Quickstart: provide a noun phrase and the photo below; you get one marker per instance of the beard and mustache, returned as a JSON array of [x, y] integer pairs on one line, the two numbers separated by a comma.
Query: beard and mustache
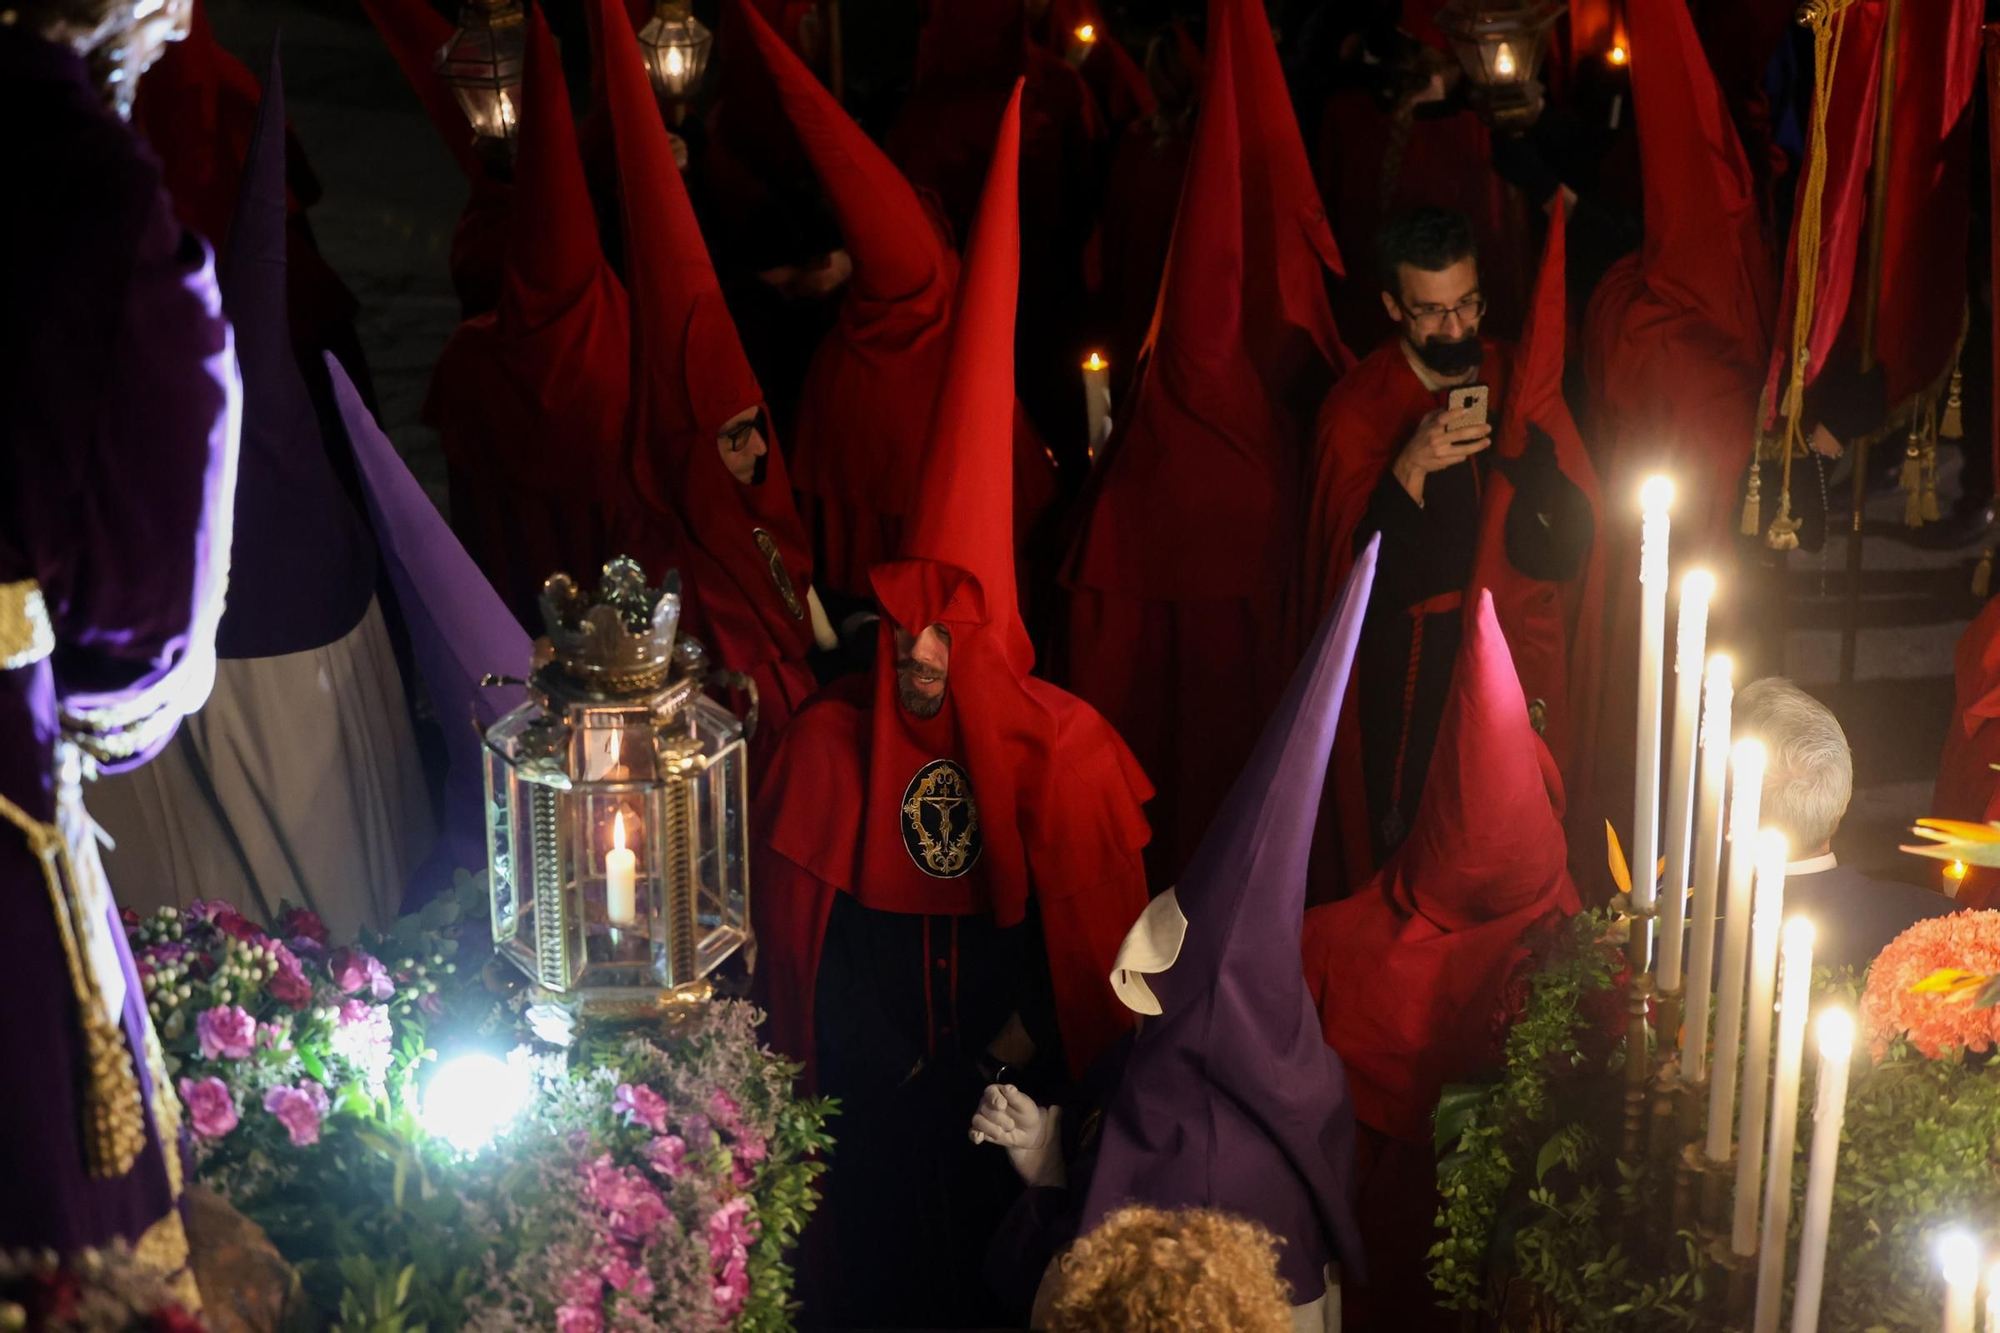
[[1449, 356], [909, 675]]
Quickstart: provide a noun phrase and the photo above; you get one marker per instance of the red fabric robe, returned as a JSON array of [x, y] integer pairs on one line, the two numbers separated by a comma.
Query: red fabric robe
[[1967, 787]]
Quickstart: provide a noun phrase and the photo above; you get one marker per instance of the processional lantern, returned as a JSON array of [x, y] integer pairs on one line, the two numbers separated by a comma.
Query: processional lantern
[[616, 802], [676, 47], [1501, 44], [482, 63]]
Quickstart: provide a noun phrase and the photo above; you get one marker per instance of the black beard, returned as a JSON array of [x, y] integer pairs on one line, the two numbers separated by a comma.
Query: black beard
[[917, 703], [1448, 357]]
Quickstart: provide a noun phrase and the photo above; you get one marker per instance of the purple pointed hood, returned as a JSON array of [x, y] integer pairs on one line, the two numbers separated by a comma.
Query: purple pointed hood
[[302, 570], [1232, 1098], [459, 628]]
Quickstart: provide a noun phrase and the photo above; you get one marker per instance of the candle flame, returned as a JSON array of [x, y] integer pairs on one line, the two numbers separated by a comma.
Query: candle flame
[[1087, 33], [1503, 61], [1799, 935], [1955, 872], [676, 62], [618, 832], [1720, 668], [1773, 850], [1656, 495], [1958, 1258], [1618, 55], [1095, 362], [616, 747], [1698, 584], [1835, 1030]]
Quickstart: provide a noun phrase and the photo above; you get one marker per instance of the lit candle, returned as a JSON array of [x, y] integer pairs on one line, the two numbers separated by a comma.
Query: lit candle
[[1654, 497], [1958, 1258], [1835, 1030], [1716, 696], [1993, 1299], [1746, 794], [1798, 949], [1765, 924], [1690, 641], [1954, 880], [1082, 40], [1503, 61], [621, 878], [1617, 55], [1097, 399]]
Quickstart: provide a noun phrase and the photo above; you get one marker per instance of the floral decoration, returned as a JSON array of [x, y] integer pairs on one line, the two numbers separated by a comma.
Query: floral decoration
[[1903, 997]]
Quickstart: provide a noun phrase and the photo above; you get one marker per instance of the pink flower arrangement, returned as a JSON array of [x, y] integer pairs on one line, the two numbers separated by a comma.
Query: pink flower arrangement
[[211, 1110], [355, 971], [288, 985], [300, 1110], [1934, 1023], [226, 1032], [640, 1104]]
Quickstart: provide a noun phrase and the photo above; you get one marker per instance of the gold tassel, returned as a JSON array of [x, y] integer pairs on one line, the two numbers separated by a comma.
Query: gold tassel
[[1753, 522], [1784, 533], [1953, 425], [1913, 480], [1982, 574], [1931, 512]]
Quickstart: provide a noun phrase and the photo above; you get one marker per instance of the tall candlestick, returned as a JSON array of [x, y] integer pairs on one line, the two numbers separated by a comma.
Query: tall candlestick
[[1654, 497], [1765, 923], [1798, 950], [621, 878], [1958, 1258], [1690, 641], [1835, 1030], [1746, 794], [1717, 694], [1097, 399], [1993, 1299]]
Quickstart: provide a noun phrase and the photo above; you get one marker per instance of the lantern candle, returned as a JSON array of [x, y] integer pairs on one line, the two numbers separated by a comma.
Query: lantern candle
[[1503, 62], [1798, 950], [1746, 795], [621, 878], [1654, 497], [1765, 924], [1836, 1048], [1690, 641], [1954, 880], [1097, 399], [1716, 696], [1958, 1258]]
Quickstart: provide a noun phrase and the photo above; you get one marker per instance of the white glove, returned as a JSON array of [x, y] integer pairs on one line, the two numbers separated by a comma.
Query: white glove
[[1009, 1117]]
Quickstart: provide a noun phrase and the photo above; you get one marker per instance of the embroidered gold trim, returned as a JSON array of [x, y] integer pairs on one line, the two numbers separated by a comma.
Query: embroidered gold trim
[[163, 1247], [26, 636], [767, 546], [114, 1121]]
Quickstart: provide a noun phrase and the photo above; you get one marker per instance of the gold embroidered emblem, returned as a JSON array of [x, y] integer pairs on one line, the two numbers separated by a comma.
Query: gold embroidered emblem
[[768, 546], [941, 820], [26, 636]]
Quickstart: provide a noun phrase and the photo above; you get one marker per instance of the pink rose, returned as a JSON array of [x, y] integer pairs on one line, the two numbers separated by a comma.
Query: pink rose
[[300, 923], [578, 1319], [354, 970], [232, 922], [225, 1032], [299, 1110], [732, 1286], [632, 1206], [288, 985], [628, 1277], [664, 1155], [730, 1228], [211, 1110], [637, 1102]]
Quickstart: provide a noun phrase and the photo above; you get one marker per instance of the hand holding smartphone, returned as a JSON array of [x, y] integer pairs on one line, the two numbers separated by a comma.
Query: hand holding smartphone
[[1467, 404]]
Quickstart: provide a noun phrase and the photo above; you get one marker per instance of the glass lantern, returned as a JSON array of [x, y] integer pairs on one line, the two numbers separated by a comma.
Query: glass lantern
[[481, 64], [1501, 44], [676, 48], [617, 833]]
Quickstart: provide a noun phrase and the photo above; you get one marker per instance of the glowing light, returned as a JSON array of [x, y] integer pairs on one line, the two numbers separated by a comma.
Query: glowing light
[[1095, 362], [618, 832], [676, 62], [1720, 668], [472, 1098], [1698, 584], [1617, 55], [1087, 33], [1954, 877], [1503, 61], [1773, 850], [1958, 1258], [1799, 935], [1835, 1031], [1656, 496]]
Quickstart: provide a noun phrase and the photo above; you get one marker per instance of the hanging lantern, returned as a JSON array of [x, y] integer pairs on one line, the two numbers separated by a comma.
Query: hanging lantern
[[1501, 44], [481, 64], [676, 47], [617, 830]]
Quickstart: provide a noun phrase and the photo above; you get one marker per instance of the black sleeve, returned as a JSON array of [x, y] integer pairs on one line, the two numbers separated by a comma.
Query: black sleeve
[[1394, 514]]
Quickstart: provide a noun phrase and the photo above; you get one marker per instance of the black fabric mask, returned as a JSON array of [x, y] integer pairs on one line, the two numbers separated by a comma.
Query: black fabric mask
[[1450, 358]]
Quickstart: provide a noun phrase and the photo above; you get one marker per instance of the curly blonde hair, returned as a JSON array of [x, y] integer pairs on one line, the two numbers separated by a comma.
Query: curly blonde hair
[[1149, 1270]]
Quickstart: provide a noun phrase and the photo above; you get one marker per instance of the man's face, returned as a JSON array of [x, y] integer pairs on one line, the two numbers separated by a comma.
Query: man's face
[[816, 277], [743, 446], [923, 662], [1440, 312]]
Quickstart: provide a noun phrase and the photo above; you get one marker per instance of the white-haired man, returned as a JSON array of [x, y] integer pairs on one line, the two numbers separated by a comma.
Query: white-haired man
[[1808, 778]]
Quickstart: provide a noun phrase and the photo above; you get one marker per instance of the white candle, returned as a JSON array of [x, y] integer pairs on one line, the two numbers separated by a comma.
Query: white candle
[[1097, 399], [621, 878], [1765, 924], [1690, 641], [1654, 497], [1717, 695], [1746, 794], [1958, 1257], [1835, 1030], [1798, 949], [1082, 40], [1993, 1299]]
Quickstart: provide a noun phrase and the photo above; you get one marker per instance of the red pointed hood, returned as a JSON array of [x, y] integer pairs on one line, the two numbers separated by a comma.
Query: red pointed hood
[[415, 33], [1538, 357], [1705, 249], [741, 546], [194, 107], [899, 255]]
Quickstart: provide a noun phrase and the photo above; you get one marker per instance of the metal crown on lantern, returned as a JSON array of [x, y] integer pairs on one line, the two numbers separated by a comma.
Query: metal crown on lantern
[[482, 64], [617, 832], [676, 48], [1501, 44]]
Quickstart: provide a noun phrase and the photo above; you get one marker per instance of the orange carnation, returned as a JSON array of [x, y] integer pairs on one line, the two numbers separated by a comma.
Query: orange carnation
[[1935, 1023]]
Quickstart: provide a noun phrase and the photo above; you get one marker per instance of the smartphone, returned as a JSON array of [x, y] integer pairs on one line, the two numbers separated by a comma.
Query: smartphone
[[1468, 404]]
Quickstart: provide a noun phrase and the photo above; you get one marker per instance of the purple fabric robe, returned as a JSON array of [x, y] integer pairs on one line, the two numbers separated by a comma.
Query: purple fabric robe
[[118, 419], [1232, 1099]]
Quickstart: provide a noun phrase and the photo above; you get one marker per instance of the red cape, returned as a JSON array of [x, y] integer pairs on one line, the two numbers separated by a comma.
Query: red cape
[[1967, 787]]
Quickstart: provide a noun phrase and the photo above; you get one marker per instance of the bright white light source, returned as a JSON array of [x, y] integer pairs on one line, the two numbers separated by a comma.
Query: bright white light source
[[1657, 495], [1836, 1036], [472, 1098], [1958, 1258]]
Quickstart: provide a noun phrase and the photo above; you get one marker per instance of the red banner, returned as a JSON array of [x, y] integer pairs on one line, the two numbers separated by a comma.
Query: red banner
[[1993, 175]]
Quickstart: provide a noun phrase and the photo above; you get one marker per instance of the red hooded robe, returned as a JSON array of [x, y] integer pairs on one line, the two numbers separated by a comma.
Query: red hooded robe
[[1058, 828], [531, 397], [1967, 787], [1406, 972], [1178, 628], [864, 414], [741, 551]]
